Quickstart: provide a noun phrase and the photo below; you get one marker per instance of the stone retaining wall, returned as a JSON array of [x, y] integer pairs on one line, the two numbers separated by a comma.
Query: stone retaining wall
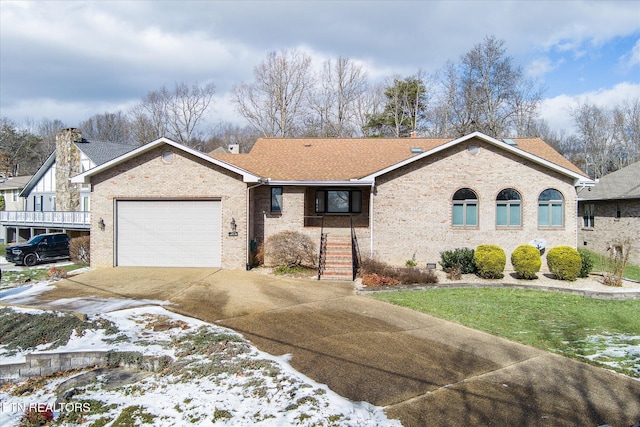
[[617, 295], [40, 364]]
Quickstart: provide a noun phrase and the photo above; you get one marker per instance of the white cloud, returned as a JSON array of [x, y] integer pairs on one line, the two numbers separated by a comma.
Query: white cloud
[[556, 110], [632, 58], [540, 67]]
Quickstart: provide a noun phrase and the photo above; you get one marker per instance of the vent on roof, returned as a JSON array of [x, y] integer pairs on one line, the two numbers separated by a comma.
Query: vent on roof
[[416, 150], [307, 145], [510, 141]]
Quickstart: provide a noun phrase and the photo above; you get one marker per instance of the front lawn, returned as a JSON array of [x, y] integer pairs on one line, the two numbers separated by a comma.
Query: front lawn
[[601, 332]]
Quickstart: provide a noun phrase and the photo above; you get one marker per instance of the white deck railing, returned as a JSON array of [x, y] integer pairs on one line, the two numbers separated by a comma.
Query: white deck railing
[[46, 219]]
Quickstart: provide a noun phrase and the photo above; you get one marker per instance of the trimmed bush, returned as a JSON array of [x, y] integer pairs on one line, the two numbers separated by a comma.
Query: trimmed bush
[[490, 261], [587, 263], [564, 262], [291, 249], [526, 261], [80, 250], [460, 257]]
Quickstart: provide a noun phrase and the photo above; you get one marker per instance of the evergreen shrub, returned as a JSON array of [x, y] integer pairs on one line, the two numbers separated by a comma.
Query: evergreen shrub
[[460, 257], [526, 261], [490, 261], [564, 262], [587, 263]]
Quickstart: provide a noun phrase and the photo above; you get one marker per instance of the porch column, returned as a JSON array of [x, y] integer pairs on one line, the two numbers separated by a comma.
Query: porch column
[[371, 220]]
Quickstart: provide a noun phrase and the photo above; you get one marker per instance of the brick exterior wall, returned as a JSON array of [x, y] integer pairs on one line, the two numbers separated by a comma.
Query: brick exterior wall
[[413, 205], [607, 228], [147, 176], [298, 214]]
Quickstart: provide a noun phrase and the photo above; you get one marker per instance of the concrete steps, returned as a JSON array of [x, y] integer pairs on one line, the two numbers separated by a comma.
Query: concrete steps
[[338, 263]]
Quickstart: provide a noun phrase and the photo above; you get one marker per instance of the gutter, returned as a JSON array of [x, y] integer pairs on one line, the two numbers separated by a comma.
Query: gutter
[[371, 222], [315, 183]]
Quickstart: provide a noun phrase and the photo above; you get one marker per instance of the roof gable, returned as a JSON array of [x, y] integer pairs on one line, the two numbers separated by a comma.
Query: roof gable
[[534, 149], [85, 177], [98, 152], [621, 184]]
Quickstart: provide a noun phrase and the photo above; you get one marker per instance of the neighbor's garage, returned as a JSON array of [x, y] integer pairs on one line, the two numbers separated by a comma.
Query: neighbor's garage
[[168, 233]]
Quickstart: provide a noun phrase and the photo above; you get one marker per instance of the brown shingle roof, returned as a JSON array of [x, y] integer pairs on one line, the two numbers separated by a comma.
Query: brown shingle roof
[[539, 148], [306, 159]]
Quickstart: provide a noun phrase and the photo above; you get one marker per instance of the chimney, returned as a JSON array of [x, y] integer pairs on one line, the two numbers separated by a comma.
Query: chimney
[[67, 165], [414, 134], [234, 148]]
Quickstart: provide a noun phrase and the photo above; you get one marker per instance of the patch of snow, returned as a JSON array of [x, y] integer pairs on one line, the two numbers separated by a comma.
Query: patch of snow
[[616, 351], [24, 294], [94, 305], [259, 396]]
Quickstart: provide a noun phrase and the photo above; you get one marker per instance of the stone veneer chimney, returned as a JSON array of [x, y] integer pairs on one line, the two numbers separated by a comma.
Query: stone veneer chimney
[[67, 165]]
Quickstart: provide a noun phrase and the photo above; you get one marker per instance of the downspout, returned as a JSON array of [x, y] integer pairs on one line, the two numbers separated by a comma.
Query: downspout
[[371, 222], [248, 239]]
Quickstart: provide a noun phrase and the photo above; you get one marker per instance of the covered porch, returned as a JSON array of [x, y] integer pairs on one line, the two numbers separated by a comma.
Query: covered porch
[[334, 215]]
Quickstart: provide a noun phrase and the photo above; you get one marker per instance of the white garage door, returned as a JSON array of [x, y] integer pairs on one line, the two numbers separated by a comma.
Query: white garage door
[[168, 233]]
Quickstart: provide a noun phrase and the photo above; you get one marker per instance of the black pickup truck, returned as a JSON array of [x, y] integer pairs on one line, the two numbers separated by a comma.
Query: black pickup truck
[[41, 248]]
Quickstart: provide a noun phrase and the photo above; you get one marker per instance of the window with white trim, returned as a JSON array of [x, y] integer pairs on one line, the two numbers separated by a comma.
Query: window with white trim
[[508, 208], [550, 208], [465, 208]]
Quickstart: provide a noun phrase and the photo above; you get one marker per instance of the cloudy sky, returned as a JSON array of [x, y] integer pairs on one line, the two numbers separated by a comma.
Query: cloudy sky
[[69, 60]]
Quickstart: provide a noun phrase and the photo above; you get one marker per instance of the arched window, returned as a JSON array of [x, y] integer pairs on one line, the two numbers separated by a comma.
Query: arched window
[[465, 208], [550, 208], [508, 208]]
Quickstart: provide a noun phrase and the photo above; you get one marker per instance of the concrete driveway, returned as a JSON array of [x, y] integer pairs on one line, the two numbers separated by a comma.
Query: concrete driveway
[[425, 371]]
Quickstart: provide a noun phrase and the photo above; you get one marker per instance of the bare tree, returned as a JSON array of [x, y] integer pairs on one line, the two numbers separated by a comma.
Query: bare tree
[[370, 104], [486, 92], [110, 127], [227, 133], [595, 130], [174, 114], [18, 149], [334, 103], [626, 131], [276, 103], [47, 130]]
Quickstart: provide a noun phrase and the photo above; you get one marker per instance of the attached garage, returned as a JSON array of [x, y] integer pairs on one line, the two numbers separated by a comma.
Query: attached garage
[[168, 233]]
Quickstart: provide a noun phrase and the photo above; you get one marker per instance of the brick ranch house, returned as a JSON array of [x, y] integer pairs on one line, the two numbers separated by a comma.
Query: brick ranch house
[[164, 204]]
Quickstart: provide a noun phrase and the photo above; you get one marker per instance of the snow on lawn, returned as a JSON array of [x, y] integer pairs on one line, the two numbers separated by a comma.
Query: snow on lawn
[[621, 352], [216, 377]]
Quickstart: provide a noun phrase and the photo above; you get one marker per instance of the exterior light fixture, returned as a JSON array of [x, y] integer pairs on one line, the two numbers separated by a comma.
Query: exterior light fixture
[[101, 224], [234, 228]]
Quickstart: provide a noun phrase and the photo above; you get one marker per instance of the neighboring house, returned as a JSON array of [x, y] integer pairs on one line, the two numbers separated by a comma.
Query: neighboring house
[[610, 212], [164, 204], [52, 202], [10, 189]]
